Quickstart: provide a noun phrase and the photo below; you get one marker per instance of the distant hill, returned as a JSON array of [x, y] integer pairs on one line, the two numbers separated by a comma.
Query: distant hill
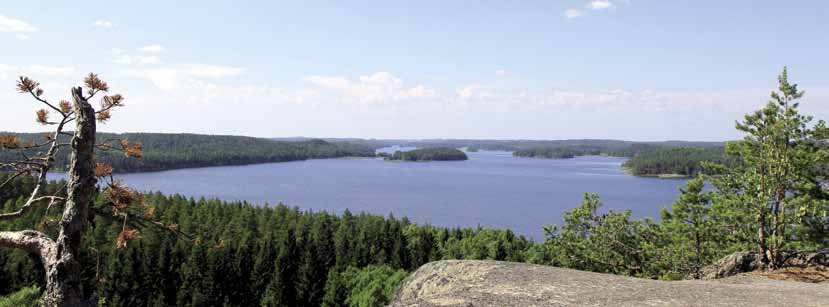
[[173, 151], [513, 145]]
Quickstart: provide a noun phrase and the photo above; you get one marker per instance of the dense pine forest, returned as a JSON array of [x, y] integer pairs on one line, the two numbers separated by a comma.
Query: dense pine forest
[[678, 161], [429, 154], [237, 254], [173, 151]]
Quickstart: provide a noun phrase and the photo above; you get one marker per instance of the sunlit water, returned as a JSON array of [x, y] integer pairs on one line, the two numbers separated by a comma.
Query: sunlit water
[[491, 189]]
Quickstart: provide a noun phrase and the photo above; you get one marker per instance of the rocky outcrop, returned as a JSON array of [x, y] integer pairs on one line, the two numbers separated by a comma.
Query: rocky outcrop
[[493, 283], [744, 262]]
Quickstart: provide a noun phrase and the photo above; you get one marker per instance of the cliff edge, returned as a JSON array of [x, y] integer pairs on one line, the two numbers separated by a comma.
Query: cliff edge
[[495, 283]]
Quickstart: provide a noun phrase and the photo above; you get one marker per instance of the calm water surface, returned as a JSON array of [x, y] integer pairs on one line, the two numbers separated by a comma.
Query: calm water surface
[[491, 189]]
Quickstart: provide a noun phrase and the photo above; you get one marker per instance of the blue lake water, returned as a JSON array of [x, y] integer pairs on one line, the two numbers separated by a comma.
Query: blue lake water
[[491, 189]]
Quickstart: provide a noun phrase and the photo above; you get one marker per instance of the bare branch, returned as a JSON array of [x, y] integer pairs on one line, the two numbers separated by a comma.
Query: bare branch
[[46, 102], [28, 240], [28, 206], [11, 178], [139, 221]]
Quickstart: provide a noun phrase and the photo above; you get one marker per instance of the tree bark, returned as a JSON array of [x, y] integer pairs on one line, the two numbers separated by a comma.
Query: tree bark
[[63, 267]]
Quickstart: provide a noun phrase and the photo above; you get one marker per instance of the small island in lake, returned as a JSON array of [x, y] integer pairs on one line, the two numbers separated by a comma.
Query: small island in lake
[[429, 154], [546, 153]]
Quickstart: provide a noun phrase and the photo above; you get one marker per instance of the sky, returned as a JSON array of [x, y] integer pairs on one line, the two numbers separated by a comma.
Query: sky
[[556, 69]]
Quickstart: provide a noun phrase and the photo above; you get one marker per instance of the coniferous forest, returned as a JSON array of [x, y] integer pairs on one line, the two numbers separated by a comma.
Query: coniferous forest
[[678, 161], [429, 154], [163, 151], [238, 254]]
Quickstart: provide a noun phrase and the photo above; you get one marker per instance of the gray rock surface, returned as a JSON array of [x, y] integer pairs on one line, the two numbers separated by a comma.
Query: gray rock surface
[[493, 283]]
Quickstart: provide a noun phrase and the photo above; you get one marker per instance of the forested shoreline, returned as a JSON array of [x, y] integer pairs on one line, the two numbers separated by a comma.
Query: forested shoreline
[[645, 159], [428, 154], [163, 151], [177, 151], [678, 161], [274, 255]]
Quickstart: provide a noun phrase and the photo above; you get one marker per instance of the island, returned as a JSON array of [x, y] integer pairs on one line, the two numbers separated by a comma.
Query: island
[[679, 162], [546, 153], [429, 154]]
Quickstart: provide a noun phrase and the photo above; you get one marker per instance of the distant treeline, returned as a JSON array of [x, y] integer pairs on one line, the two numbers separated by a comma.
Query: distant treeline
[[174, 151], [606, 146], [429, 154], [679, 161], [645, 159], [237, 254], [571, 151], [547, 153]]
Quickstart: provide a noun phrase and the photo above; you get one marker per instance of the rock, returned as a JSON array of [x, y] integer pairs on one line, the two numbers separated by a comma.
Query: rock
[[744, 262], [736, 263], [493, 283]]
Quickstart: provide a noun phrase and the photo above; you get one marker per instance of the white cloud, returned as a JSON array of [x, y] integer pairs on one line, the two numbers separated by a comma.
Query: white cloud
[[466, 92], [599, 4], [421, 92], [129, 59], [152, 48], [100, 23], [123, 58], [149, 60], [182, 76], [51, 70], [22, 36], [502, 73], [379, 87], [573, 13], [6, 70], [15, 26]]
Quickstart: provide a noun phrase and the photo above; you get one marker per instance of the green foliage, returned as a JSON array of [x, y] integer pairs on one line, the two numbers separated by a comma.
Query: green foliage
[[26, 297], [237, 254], [688, 237], [572, 151], [601, 242], [429, 154], [551, 152], [780, 179], [372, 286], [680, 161], [173, 151], [771, 198]]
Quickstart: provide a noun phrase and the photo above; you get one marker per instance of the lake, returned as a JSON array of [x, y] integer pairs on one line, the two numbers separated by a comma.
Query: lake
[[491, 189]]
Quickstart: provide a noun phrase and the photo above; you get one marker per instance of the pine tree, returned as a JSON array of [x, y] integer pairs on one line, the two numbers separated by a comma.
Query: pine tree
[[690, 232], [779, 153], [280, 291]]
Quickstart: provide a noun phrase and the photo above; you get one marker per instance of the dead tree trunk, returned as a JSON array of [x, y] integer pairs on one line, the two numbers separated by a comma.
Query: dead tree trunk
[[63, 267]]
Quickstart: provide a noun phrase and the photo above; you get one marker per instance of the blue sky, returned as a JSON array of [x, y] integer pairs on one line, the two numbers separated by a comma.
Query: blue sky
[[637, 69]]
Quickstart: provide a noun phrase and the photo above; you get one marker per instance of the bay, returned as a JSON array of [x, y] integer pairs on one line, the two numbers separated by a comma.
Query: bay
[[491, 189]]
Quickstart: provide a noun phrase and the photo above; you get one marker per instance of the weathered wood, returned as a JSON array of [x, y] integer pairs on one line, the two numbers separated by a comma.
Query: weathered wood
[[63, 270]]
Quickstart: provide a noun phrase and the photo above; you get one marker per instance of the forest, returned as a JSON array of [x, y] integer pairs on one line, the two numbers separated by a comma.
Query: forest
[[572, 151], [645, 159], [428, 154], [169, 250], [174, 151], [276, 255], [616, 147], [678, 161]]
